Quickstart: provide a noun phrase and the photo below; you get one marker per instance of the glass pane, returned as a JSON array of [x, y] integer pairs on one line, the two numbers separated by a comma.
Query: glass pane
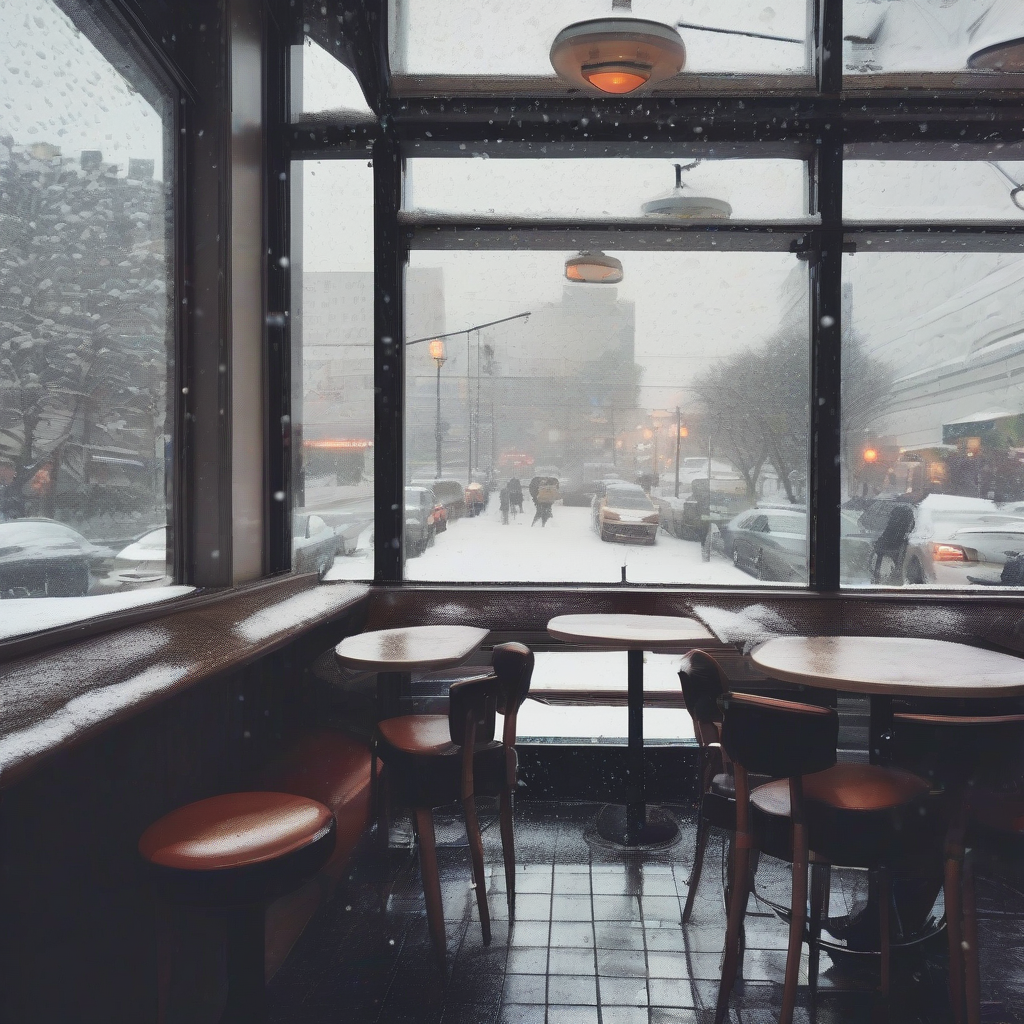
[[332, 368], [322, 88], [933, 419], [547, 446], [506, 46], [608, 188], [946, 190], [889, 41], [86, 318]]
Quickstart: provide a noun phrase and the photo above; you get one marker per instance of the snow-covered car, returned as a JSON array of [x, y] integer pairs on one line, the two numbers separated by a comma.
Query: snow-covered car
[[140, 565], [955, 537], [314, 543], [44, 558], [626, 513], [420, 510]]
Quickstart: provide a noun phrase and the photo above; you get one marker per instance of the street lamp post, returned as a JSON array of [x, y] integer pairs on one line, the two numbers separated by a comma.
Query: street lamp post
[[437, 354]]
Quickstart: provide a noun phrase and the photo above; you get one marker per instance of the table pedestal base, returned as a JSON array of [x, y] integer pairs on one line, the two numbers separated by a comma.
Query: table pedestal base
[[658, 833]]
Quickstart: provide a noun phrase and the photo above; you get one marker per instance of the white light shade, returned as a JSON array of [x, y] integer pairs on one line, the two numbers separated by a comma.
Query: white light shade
[[617, 55], [683, 206], [593, 268], [1007, 56]]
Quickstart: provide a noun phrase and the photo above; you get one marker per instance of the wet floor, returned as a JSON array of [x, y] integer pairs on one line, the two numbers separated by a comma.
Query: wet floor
[[598, 940]]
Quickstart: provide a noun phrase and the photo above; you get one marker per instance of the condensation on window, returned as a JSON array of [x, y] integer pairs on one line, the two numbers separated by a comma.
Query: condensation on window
[[86, 309]]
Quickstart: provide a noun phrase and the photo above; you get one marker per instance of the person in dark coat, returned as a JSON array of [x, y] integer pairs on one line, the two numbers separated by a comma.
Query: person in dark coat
[[515, 494]]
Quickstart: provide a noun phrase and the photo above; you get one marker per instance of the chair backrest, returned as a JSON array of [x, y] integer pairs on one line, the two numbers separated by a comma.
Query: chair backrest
[[780, 738], [703, 683], [476, 700]]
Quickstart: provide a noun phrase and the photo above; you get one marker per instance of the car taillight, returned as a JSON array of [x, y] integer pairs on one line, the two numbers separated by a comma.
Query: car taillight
[[949, 553]]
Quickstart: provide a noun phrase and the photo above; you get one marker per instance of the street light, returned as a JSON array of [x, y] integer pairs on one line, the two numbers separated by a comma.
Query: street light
[[437, 354]]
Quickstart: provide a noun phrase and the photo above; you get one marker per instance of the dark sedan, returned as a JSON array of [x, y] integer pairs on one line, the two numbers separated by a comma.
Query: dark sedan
[[43, 558]]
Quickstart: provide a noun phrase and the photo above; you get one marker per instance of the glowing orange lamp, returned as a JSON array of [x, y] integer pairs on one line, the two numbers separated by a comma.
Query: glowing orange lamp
[[870, 455], [617, 56]]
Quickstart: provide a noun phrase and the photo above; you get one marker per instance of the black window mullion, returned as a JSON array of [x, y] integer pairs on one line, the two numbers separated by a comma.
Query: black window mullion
[[388, 363]]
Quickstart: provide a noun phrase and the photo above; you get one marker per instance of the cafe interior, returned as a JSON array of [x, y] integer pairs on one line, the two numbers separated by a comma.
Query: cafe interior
[[511, 512]]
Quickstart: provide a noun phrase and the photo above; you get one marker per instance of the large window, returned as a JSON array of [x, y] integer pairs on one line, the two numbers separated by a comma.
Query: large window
[[332, 367], [634, 412], [87, 318]]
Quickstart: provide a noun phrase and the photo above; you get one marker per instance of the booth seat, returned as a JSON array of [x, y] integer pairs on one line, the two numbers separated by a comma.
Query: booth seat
[[333, 768]]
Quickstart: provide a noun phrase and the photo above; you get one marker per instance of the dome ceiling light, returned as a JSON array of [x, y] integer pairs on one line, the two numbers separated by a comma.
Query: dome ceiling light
[[684, 205], [617, 56], [1007, 56], [593, 268]]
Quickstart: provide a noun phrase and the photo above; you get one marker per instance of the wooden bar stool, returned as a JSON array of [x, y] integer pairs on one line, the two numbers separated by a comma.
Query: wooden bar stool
[[235, 853], [431, 760], [847, 814]]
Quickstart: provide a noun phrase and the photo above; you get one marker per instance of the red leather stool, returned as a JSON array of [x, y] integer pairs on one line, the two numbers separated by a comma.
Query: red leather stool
[[235, 853]]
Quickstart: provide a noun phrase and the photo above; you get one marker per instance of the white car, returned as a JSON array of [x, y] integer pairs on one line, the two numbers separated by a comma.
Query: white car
[[142, 564], [955, 537]]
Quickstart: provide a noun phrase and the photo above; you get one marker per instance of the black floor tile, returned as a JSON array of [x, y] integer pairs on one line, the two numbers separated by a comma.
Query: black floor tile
[[598, 940]]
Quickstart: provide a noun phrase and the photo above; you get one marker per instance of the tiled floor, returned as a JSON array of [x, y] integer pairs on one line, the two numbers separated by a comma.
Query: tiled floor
[[597, 940]]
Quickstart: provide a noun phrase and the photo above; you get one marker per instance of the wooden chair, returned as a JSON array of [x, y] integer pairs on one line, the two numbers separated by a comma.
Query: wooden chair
[[852, 815], [432, 760], [969, 757]]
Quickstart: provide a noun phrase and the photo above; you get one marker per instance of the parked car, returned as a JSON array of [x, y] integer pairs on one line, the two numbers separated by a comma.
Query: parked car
[[718, 505], [955, 537], [140, 565], [420, 512], [770, 543], [44, 558], [314, 543], [625, 513], [449, 493]]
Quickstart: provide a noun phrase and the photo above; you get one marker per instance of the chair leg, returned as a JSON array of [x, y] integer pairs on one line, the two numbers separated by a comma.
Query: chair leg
[[885, 933], [508, 852], [737, 910], [698, 864], [954, 933], [246, 943], [797, 923], [972, 973], [476, 856], [431, 879], [821, 875], [164, 959]]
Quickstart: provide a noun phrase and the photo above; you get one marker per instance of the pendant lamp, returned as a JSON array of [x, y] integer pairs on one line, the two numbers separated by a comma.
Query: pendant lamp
[[617, 55], [593, 268], [683, 204]]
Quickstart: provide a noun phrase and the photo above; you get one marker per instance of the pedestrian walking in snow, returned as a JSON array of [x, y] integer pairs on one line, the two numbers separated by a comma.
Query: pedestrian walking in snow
[[503, 504]]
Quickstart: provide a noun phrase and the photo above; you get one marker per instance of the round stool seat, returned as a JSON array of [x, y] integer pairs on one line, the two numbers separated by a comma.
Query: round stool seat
[[239, 847]]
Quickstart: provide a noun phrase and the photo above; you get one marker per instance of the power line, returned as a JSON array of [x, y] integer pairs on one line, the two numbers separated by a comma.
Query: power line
[[467, 330]]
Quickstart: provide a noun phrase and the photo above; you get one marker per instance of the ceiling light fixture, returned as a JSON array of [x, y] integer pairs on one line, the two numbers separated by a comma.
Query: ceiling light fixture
[[593, 268], [617, 56], [1007, 56], [681, 205]]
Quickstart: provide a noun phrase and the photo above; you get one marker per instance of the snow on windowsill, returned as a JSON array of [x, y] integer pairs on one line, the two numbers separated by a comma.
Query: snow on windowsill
[[22, 615]]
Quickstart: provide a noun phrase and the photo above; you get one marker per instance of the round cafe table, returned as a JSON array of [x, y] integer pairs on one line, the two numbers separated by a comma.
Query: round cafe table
[[634, 634], [883, 668]]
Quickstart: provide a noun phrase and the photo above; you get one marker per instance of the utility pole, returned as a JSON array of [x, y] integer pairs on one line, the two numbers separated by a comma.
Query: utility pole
[[615, 457], [679, 435], [469, 414]]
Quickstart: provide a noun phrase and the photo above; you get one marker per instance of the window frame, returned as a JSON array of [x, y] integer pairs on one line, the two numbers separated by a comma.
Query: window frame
[[824, 121]]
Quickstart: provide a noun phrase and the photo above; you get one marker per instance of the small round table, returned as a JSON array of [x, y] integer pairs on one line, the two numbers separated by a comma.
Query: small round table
[[393, 653], [883, 668], [635, 634]]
